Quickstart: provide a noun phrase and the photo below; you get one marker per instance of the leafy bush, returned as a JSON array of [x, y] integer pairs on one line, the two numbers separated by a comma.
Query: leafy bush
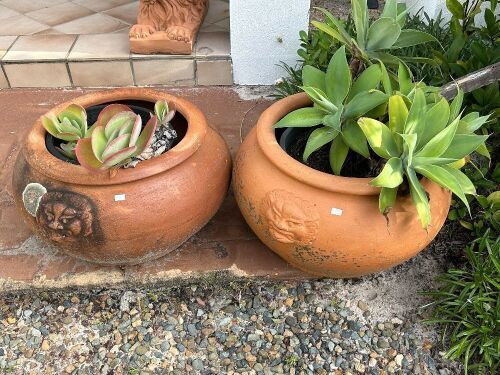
[[467, 305]]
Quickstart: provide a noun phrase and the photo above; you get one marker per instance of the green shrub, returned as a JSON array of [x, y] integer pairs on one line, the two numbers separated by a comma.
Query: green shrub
[[467, 305]]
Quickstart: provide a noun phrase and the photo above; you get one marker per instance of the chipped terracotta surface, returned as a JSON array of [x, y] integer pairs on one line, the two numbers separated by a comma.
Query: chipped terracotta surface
[[323, 224], [225, 245]]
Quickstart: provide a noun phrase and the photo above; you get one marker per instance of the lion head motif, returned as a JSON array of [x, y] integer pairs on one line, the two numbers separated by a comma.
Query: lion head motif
[[289, 218], [65, 216]]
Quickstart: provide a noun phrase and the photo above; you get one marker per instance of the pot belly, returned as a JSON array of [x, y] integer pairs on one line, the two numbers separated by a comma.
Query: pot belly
[[327, 233], [131, 222]]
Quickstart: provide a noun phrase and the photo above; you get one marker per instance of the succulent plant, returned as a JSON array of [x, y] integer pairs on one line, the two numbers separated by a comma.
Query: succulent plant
[[425, 139], [70, 125], [375, 40], [338, 103], [115, 138], [163, 113]]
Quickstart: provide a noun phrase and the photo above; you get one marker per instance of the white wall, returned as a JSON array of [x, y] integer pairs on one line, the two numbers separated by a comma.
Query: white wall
[[263, 33], [431, 7]]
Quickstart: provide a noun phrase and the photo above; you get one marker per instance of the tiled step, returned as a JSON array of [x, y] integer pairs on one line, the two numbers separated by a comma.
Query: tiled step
[[104, 60]]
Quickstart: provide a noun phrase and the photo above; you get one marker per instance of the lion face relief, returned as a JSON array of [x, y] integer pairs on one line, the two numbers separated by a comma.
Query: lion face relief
[[289, 218], [65, 216]]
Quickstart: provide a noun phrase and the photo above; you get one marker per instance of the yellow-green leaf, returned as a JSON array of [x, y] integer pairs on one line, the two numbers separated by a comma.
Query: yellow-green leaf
[[440, 142], [444, 178], [419, 198], [387, 199], [391, 175], [379, 137], [398, 113], [415, 121]]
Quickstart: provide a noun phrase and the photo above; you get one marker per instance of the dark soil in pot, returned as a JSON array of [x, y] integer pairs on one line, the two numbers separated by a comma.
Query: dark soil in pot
[[142, 108], [294, 140]]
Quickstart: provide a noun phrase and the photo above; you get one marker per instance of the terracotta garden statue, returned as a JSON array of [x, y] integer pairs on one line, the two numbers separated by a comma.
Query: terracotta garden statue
[[167, 26]]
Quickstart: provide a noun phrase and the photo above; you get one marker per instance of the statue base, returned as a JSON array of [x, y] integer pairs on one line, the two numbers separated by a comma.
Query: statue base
[[159, 42]]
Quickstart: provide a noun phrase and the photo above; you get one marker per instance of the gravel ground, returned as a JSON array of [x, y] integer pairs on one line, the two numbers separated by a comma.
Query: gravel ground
[[367, 326], [261, 328], [339, 8]]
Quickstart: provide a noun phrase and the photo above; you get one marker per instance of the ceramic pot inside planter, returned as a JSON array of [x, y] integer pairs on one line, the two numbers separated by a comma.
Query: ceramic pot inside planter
[[324, 224], [139, 214]]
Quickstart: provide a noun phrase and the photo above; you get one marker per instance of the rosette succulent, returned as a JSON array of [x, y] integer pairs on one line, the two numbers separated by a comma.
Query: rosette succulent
[[338, 103], [115, 139], [427, 139], [70, 125]]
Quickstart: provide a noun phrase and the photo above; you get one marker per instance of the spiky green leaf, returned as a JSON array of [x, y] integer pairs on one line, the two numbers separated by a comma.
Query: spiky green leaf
[[338, 77], [382, 34], [436, 119], [463, 145], [317, 139], [368, 80], [409, 37], [302, 118], [363, 102], [355, 138], [338, 154], [313, 77], [360, 17]]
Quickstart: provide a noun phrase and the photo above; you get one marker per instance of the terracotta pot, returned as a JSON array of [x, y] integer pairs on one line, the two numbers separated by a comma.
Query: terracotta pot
[[320, 223], [139, 214]]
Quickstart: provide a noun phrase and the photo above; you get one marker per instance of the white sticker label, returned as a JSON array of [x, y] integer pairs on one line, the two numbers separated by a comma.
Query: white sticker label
[[336, 211], [119, 197]]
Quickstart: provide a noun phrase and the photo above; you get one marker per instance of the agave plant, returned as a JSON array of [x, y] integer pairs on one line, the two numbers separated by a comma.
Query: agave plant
[[338, 103], [425, 139], [70, 125], [375, 40], [115, 139]]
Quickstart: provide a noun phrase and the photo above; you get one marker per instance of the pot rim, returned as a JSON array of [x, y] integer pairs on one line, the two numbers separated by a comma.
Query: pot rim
[[39, 158], [266, 138]]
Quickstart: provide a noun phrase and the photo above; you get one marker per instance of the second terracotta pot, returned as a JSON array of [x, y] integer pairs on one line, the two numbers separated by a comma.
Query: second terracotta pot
[[139, 214], [324, 224]]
